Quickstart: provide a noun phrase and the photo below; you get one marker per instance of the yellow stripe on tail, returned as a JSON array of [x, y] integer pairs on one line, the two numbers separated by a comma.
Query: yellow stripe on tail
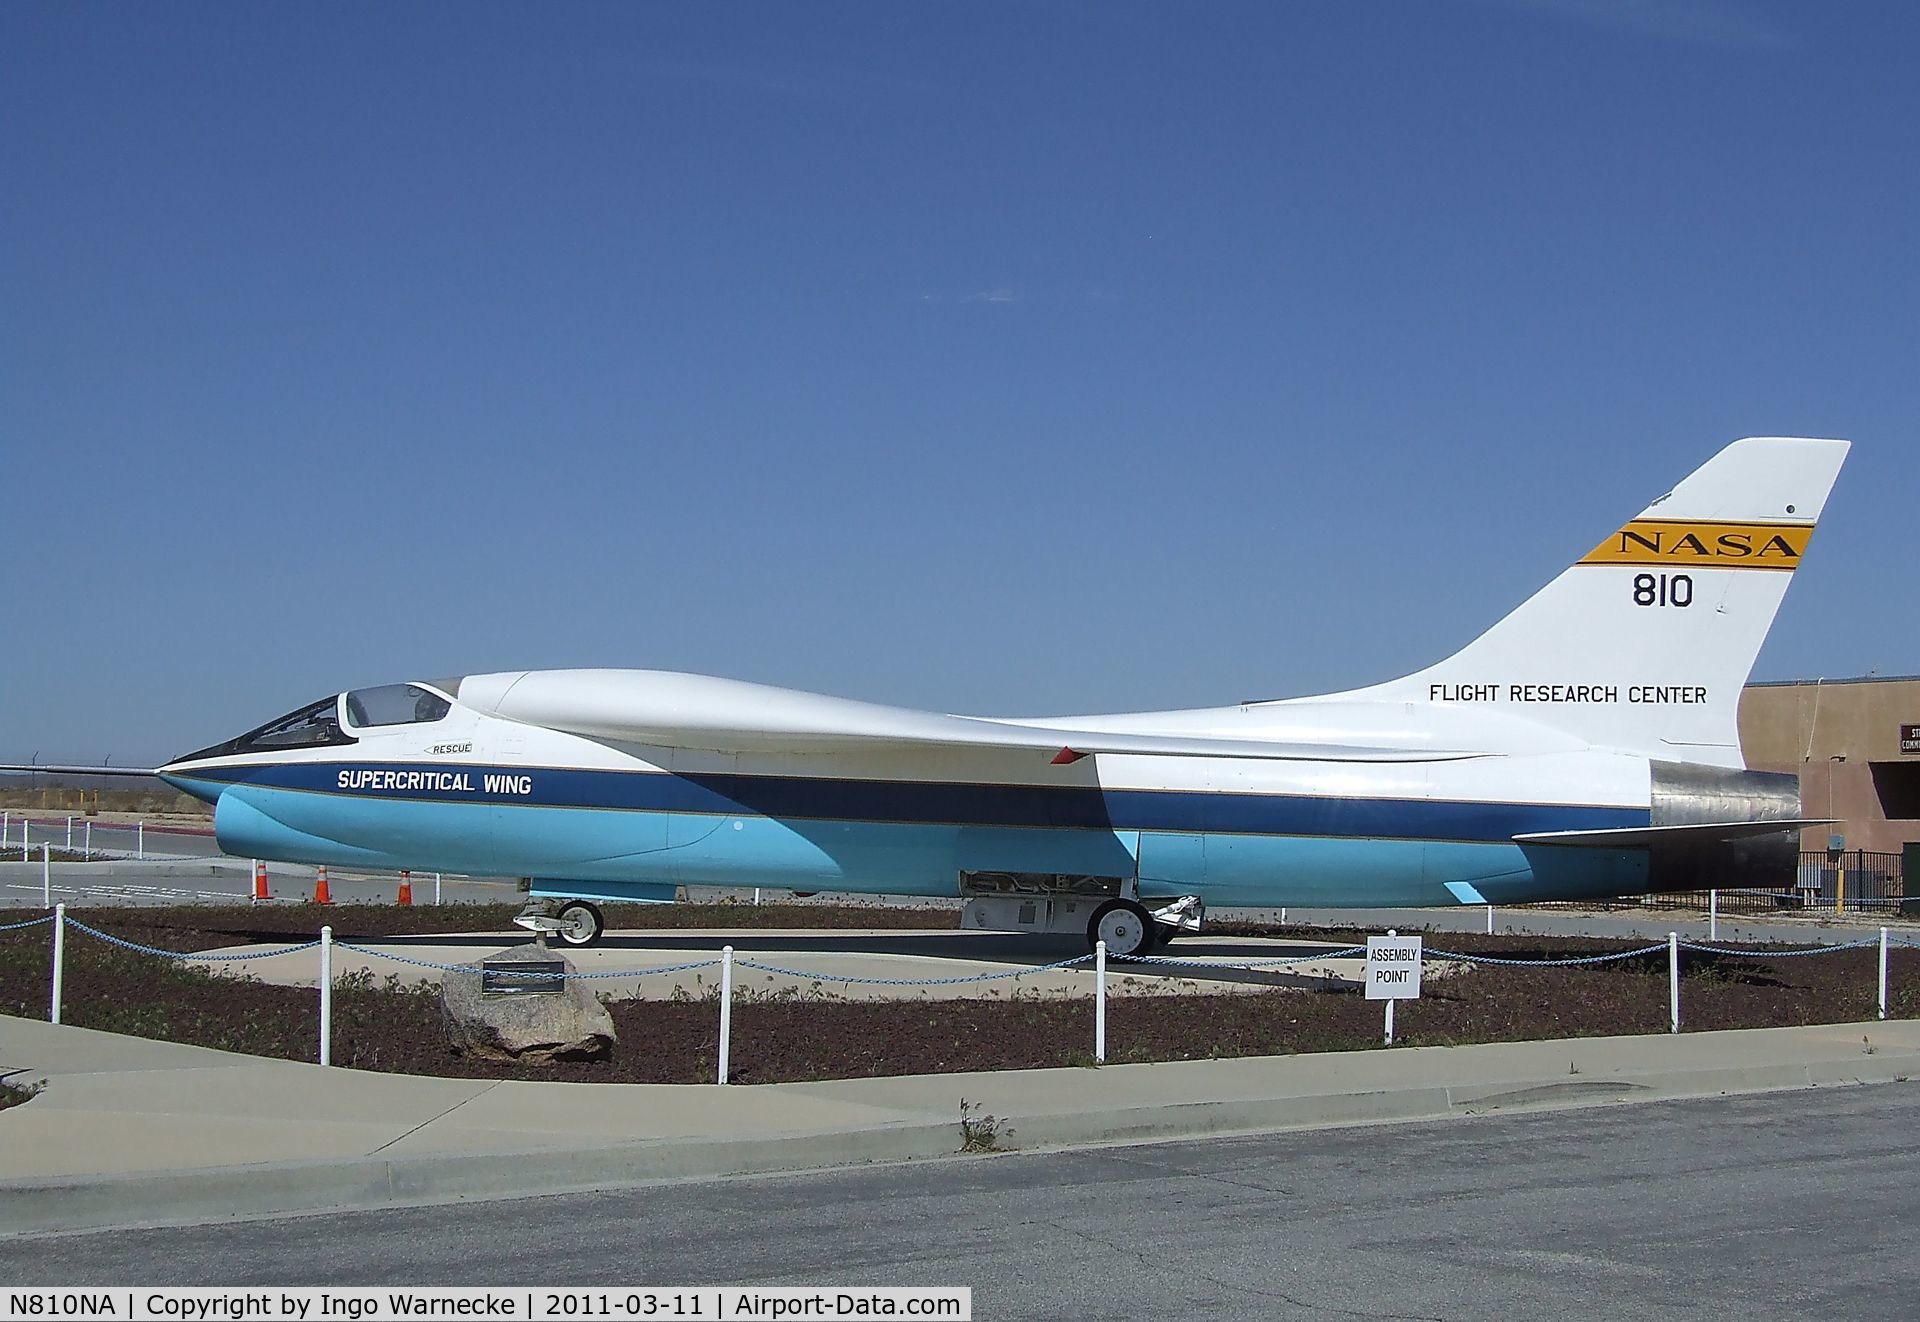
[[1706, 545]]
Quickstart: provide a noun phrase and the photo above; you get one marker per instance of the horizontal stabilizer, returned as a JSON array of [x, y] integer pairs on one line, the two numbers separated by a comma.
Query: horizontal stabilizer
[[1633, 837]]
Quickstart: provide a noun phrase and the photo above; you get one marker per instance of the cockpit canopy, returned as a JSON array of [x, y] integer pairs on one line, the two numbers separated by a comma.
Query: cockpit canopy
[[310, 726], [395, 704], [320, 724]]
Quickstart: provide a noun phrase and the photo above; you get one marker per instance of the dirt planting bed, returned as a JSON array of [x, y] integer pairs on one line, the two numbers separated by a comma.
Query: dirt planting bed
[[396, 1027]]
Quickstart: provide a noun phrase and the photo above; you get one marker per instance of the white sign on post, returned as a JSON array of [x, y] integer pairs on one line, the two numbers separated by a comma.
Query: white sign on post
[[1393, 968]]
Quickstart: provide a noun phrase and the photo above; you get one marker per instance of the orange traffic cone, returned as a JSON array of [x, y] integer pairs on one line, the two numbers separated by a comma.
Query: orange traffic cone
[[321, 895], [260, 882], [406, 888]]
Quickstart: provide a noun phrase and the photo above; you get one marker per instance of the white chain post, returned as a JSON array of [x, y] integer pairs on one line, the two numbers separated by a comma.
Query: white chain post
[[46, 875], [1100, 1003], [1713, 915], [726, 1008], [1883, 973], [89, 844], [1673, 981], [140, 838], [60, 961], [69, 833], [326, 996], [1489, 920], [436, 889], [1390, 932]]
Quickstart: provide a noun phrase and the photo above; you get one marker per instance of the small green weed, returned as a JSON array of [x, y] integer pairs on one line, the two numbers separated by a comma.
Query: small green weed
[[980, 1131]]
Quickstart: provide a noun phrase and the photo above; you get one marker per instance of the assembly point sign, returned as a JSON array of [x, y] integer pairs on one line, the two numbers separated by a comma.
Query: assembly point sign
[[1393, 968]]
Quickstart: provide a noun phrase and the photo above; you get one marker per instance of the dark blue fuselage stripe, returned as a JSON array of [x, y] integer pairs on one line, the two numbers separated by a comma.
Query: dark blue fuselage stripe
[[1071, 806]]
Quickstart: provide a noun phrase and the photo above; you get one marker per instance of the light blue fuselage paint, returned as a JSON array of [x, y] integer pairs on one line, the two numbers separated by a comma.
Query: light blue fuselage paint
[[636, 836]]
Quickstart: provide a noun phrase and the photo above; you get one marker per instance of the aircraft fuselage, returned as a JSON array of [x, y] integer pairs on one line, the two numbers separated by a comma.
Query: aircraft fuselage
[[471, 793]]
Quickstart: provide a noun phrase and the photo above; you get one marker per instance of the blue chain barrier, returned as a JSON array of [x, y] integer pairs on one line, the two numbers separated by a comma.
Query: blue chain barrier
[[911, 982], [1781, 954], [642, 973], [1151, 961], [136, 947], [530, 976], [1542, 963], [1248, 966]]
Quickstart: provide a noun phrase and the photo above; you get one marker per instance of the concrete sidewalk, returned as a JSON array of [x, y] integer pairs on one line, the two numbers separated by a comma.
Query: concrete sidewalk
[[131, 1131]]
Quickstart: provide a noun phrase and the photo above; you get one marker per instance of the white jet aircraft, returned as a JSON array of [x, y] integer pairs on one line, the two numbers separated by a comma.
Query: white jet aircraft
[[1584, 747]]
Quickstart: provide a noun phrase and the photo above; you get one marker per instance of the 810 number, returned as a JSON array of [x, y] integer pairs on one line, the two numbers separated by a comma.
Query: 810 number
[[1662, 590]]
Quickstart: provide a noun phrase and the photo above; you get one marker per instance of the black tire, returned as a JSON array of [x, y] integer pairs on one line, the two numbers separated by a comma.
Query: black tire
[[582, 924], [1122, 938]]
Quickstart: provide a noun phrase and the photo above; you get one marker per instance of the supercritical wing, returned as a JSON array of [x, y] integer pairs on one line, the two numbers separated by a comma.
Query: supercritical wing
[[669, 709]]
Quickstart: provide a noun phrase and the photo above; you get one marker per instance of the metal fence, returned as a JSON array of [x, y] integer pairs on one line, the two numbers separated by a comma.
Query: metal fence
[[1857, 879]]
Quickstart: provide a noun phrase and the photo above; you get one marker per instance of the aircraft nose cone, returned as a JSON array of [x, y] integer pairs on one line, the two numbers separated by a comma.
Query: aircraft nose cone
[[179, 773]]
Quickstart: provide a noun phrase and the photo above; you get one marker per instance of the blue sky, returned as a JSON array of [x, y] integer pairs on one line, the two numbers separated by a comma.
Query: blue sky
[[988, 358]]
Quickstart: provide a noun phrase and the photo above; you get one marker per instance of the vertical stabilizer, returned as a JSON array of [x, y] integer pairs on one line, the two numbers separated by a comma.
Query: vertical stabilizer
[[1645, 643]]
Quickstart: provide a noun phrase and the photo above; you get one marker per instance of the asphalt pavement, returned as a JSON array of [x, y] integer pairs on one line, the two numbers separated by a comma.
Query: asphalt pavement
[[189, 869], [178, 862], [1783, 1205], [1628, 922], [842, 963]]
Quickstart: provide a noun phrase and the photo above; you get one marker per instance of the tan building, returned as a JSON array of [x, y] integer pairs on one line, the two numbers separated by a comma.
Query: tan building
[[1855, 744]]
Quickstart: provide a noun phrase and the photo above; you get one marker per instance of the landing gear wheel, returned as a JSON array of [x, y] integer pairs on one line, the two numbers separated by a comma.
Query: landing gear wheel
[[1124, 926], [580, 924]]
